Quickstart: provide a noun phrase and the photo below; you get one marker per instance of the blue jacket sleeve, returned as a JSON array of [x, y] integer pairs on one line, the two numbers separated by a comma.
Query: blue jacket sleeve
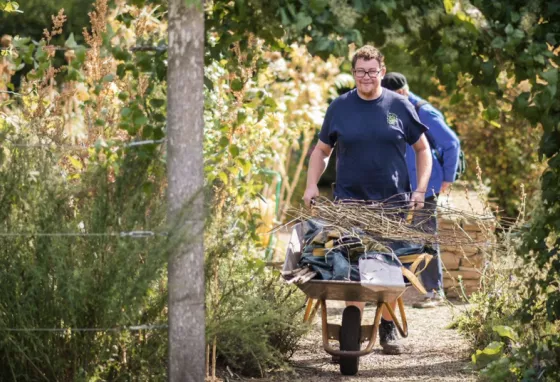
[[446, 141]]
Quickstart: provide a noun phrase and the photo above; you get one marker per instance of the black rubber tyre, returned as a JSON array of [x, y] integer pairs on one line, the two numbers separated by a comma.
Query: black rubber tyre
[[350, 332]]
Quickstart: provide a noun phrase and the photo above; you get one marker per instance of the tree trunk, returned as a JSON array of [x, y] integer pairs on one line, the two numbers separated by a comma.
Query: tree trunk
[[185, 176]]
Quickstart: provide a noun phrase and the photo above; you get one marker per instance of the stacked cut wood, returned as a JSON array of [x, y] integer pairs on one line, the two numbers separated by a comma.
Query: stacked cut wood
[[463, 263]]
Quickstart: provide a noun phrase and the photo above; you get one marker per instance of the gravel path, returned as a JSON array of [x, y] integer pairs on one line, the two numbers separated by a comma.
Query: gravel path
[[433, 353]]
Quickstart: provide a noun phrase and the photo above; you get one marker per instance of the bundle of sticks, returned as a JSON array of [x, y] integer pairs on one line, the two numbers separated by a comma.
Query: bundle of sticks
[[393, 221]]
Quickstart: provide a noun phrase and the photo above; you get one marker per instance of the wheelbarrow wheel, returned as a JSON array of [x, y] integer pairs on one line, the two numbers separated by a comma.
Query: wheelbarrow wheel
[[350, 333]]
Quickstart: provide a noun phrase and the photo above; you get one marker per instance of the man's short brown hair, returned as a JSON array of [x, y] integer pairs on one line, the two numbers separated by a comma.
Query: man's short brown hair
[[368, 52]]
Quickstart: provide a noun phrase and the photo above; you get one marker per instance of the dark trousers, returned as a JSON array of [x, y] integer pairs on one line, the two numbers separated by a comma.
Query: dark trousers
[[432, 276]]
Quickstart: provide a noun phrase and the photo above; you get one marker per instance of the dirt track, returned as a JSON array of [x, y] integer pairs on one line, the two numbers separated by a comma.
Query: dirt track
[[433, 353]]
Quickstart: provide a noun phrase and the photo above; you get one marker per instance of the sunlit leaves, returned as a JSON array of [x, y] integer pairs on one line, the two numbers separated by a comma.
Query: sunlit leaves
[[505, 331], [492, 352], [9, 6]]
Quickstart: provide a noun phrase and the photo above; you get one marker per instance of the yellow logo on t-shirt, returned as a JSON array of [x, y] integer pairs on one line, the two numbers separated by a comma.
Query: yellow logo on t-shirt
[[392, 119]]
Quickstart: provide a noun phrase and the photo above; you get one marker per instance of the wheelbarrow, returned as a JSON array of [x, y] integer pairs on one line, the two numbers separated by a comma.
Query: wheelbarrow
[[352, 333]]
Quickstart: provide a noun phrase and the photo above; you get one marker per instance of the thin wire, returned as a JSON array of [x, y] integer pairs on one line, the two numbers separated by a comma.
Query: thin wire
[[131, 234], [11, 92], [119, 329], [140, 48], [81, 147]]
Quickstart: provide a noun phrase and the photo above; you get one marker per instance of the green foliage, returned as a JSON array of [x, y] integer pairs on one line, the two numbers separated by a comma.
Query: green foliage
[[9, 6], [467, 50], [111, 91], [251, 314], [80, 282], [505, 348], [51, 186], [36, 15], [516, 166], [257, 321]]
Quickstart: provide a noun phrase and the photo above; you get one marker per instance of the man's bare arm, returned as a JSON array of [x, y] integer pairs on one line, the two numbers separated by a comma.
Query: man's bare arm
[[423, 169], [317, 165]]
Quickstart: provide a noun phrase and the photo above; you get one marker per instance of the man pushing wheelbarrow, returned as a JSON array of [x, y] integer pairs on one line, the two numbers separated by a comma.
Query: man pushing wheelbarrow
[[371, 128]]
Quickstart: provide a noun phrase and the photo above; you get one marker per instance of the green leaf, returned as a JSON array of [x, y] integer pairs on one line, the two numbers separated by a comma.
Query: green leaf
[[550, 76], [158, 117], [448, 4], [123, 96], [491, 353], [303, 21], [271, 102], [208, 83], [224, 142], [80, 52], [509, 29], [241, 116], [75, 163], [108, 78], [284, 17], [323, 44], [522, 101], [157, 102], [318, 6], [233, 170], [494, 348], [456, 98], [234, 150], [247, 167], [292, 9], [497, 43], [518, 34], [539, 58], [71, 42], [242, 8], [125, 112], [236, 85], [140, 120], [11, 6], [505, 331], [223, 176]]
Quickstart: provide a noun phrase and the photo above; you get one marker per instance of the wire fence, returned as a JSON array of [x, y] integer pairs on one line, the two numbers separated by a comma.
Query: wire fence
[[53, 146], [129, 234], [138, 48], [133, 328]]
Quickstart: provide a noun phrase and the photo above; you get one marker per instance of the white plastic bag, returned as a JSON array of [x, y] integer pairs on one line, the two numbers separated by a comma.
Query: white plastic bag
[[380, 269]]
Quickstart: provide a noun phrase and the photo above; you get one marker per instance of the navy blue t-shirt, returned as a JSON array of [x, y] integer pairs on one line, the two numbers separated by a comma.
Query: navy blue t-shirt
[[371, 139]]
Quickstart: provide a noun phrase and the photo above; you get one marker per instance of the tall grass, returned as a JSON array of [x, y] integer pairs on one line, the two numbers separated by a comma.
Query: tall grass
[[65, 282]]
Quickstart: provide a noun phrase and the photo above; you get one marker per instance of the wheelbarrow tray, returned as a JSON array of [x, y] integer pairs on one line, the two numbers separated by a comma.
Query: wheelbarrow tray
[[350, 291]]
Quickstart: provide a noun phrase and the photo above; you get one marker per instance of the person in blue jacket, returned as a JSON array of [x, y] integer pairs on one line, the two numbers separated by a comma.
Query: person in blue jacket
[[445, 162]]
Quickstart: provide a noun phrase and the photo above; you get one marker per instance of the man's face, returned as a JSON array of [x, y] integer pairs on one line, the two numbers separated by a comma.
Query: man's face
[[368, 75]]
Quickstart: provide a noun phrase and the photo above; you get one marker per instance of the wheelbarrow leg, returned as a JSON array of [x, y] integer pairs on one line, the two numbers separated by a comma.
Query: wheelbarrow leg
[[403, 330], [308, 309], [311, 310]]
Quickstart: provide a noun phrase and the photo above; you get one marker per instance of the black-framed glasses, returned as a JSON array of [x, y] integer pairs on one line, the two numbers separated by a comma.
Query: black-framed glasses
[[361, 73]]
